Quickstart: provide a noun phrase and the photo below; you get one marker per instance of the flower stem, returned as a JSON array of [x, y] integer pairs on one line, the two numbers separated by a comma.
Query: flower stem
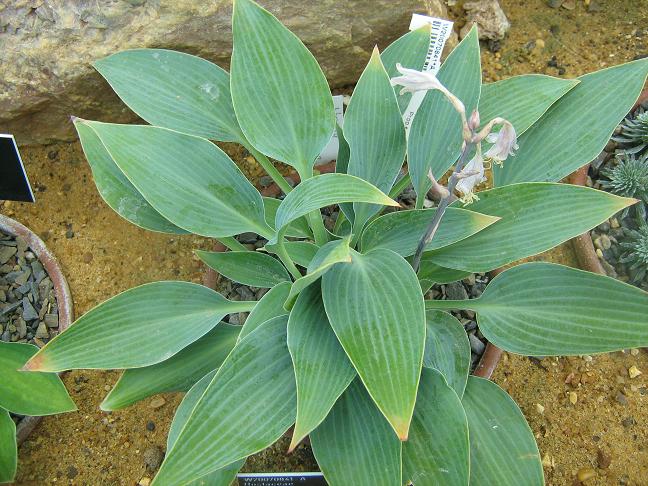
[[441, 208]]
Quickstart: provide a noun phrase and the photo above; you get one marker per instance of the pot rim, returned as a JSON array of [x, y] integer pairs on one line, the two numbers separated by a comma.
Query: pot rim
[[582, 244], [61, 289]]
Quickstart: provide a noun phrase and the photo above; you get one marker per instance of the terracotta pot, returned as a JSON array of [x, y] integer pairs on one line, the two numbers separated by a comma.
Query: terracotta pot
[[61, 289], [583, 246]]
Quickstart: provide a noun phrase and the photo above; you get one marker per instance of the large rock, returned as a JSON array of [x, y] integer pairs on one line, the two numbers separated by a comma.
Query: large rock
[[489, 17], [46, 47]]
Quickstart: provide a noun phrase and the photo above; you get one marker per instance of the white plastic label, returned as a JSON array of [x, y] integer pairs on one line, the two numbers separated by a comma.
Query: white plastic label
[[330, 152], [439, 33]]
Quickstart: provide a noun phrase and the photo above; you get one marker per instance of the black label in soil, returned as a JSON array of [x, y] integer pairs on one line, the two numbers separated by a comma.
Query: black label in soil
[[14, 184], [282, 479]]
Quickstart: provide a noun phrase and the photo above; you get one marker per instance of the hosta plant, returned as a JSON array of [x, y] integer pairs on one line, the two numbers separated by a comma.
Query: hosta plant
[[344, 348], [24, 393]]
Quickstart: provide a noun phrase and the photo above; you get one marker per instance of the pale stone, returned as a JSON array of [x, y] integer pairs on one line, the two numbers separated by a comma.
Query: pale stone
[[489, 17], [48, 47], [633, 371]]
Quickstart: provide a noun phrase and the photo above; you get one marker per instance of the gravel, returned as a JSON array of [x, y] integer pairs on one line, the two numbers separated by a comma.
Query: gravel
[[28, 308], [470, 287]]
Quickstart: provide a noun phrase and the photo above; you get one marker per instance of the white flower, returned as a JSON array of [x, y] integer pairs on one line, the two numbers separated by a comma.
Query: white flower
[[505, 142], [472, 175], [413, 81]]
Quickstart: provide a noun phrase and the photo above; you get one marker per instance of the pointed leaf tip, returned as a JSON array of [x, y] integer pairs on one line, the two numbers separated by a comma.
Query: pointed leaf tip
[[35, 363]]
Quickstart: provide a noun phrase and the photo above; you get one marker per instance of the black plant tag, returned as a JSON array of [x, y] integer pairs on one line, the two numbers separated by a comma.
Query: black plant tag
[[14, 184], [282, 479]]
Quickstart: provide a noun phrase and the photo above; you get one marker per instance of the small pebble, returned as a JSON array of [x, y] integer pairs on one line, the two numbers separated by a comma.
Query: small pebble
[[569, 4], [150, 426], [603, 459], [153, 457], [157, 402], [547, 461], [72, 472], [585, 473], [633, 371], [539, 408], [573, 397], [144, 481], [621, 398]]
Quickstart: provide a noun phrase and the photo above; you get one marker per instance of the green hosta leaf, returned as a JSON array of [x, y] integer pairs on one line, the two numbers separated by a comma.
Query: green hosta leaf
[[376, 309], [221, 477], [29, 393], [322, 369], [355, 445], [577, 127], [502, 448], [186, 406], [8, 449], [174, 90], [301, 252], [431, 272], [436, 135], [246, 267], [401, 231], [189, 180], [249, 404], [118, 332], [328, 255], [534, 219], [410, 51], [545, 309], [522, 100], [325, 190], [178, 373], [224, 476], [374, 130], [281, 97], [447, 349], [341, 166], [297, 229], [437, 451], [271, 305], [115, 188]]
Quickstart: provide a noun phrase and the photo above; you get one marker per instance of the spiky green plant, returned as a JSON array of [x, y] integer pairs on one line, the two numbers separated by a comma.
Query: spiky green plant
[[635, 132], [635, 253], [629, 178]]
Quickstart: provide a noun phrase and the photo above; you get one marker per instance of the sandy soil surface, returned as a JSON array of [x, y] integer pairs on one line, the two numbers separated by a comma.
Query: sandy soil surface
[[588, 415]]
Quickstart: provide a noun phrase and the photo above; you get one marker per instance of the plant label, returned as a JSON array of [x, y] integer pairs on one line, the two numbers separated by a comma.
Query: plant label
[[440, 31], [14, 184], [282, 479], [330, 152]]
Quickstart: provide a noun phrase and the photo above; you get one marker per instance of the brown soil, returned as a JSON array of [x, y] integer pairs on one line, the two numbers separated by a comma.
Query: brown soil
[[606, 429]]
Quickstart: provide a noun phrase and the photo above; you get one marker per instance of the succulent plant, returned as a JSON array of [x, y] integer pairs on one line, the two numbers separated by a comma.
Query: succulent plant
[[635, 132], [629, 178], [635, 253]]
